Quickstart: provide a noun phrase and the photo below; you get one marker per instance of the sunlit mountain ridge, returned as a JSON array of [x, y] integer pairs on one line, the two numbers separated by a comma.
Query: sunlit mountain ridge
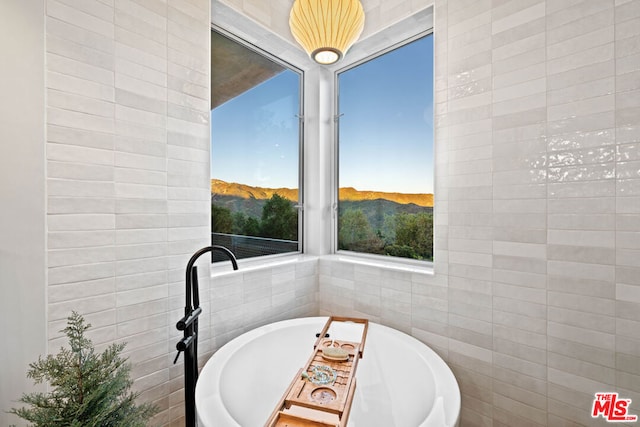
[[223, 188]]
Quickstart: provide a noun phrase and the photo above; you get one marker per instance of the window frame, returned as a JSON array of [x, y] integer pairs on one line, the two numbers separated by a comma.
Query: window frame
[[375, 258], [299, 206]]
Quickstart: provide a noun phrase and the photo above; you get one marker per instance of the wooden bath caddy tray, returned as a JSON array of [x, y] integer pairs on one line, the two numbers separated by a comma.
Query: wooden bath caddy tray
[[322, 392]]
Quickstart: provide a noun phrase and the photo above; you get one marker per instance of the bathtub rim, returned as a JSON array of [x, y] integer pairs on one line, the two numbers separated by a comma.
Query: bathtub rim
[[214, 367]]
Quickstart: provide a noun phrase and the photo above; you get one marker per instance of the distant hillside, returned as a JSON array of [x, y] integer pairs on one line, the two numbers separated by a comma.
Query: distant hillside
[[244, 191], [231, 190], [353, 195], [377, 210]]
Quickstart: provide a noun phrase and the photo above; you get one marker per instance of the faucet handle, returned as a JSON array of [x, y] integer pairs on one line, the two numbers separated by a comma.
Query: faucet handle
[[182, 345]]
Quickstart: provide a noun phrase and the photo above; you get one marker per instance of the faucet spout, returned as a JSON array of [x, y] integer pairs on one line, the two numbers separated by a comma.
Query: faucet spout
[[228, 253]]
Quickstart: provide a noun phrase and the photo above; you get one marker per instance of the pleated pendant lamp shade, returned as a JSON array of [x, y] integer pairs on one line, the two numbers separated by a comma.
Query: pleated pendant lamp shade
[[326, 29]]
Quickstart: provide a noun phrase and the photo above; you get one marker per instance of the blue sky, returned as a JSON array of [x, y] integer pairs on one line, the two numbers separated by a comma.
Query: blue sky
[[386, 130], [255, 135]]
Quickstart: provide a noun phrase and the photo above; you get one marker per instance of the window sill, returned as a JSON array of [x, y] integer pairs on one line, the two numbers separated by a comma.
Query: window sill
[[253, 264], [380, 262]]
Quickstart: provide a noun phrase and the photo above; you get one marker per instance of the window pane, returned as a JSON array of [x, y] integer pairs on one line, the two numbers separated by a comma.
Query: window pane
[[385, 143], [255, 157]]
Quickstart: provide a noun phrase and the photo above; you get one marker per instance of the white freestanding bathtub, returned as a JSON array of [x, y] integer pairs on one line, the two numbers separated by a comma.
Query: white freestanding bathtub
[[400, 381]]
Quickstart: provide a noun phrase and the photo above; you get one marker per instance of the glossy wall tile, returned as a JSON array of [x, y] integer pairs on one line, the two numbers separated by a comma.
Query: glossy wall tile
[[534, 300]]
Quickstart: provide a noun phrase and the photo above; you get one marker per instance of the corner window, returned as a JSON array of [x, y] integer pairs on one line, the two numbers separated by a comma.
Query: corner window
[[255, 150], [385, 153]]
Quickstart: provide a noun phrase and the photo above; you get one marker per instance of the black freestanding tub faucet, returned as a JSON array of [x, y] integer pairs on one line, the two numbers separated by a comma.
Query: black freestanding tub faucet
[[189, 324]]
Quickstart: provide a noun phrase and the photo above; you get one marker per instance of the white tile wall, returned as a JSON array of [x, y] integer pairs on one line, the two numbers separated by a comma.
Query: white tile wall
[[534, 302], [127, 147], [627, 271]]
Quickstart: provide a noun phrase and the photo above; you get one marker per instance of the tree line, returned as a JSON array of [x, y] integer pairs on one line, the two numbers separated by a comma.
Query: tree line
[[407, 235], [279, 220]]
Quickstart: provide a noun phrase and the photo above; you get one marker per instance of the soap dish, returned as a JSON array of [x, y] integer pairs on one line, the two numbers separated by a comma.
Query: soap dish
[[335, 354]]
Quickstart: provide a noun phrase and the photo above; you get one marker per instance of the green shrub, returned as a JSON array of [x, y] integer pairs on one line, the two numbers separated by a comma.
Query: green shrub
[[87, 389]]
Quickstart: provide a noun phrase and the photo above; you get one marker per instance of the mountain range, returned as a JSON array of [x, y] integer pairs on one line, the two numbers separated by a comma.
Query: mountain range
[[243, 191]]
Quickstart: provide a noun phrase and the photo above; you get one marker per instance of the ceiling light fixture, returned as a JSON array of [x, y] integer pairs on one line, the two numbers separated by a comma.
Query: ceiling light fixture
[[326, 29]]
